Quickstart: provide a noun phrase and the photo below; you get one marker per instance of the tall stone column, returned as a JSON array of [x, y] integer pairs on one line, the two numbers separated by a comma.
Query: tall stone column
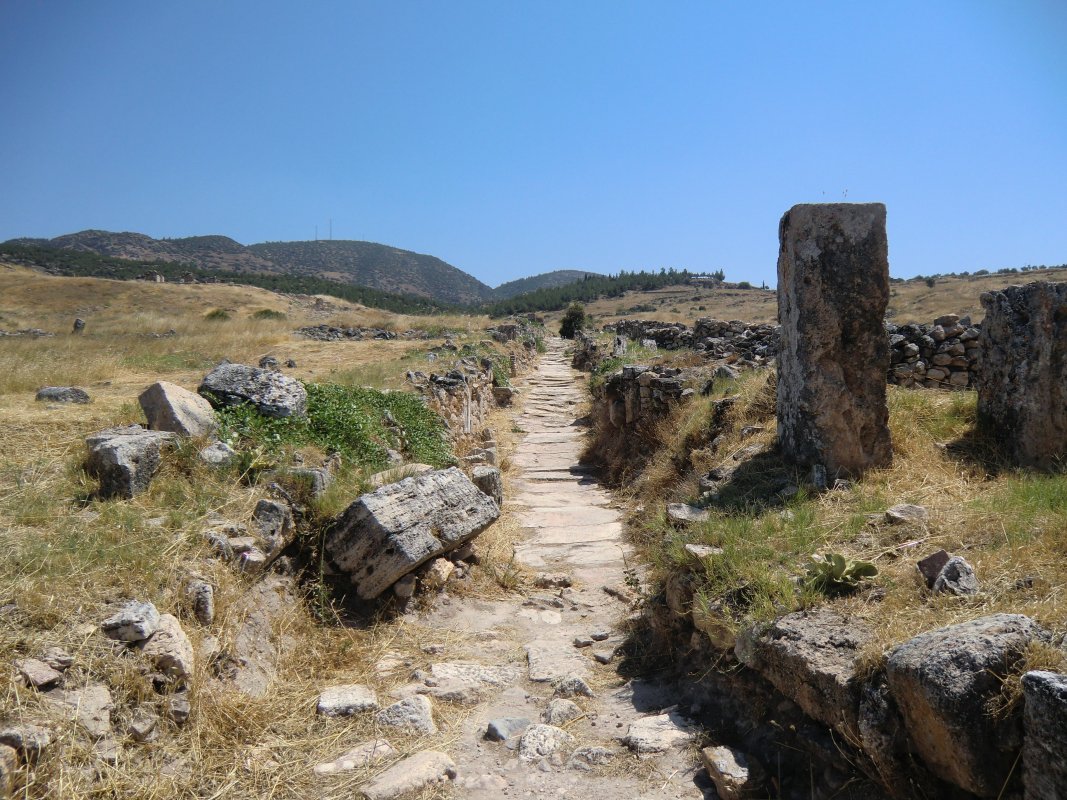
[[833, 288], [1022, 372]]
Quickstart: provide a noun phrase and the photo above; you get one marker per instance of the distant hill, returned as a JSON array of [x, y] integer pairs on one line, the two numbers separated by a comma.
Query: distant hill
[[378, 266], [547, 280]]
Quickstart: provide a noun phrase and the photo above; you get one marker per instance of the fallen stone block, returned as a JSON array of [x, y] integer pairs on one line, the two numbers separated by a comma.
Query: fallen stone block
[[134, 622], [362, 755], [942, 680], [125, 459], [1045, 729], [489, 481], [413, 713], [502, 729], [62, 394], [542, 741], [169, 407], [659, 733], [170, 650], [416, 772], [392, 531], [343, 701], [734, 774], [272, 393]]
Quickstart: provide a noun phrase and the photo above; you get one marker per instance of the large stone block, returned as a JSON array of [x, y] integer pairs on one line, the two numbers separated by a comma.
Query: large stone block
[[833, 287], [942, 681], [273, 394], [387, 533], [1022, 375], [124, 459], [1045, 727], [169, 407]]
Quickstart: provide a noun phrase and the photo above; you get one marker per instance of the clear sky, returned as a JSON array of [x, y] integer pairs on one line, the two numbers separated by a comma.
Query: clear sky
[[511, 138]]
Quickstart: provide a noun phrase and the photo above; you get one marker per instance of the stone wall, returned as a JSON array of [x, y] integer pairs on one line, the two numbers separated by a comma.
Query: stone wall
[[639, 393]]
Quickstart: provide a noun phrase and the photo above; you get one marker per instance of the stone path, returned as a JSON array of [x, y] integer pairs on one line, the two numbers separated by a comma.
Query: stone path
[[569, 529]]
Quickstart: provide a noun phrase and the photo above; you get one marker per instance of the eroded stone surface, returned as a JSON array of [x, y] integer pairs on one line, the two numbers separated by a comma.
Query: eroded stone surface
[[124, 459], [1045, 727], [134, 622], [343, 701], [416, 772], [170, 650], [833, 288], [362, 755], [169, 407], [541, 741], [659, 733], [272, 393], [413, 713]]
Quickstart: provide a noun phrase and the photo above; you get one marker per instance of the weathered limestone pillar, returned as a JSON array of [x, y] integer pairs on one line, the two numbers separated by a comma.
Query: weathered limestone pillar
[[1022, 373], [833, 288]]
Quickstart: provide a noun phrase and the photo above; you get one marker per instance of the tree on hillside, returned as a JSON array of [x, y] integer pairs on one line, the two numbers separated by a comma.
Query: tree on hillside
[[574, 320]]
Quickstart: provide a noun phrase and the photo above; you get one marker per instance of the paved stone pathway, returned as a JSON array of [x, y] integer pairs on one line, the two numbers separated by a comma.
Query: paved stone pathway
[[569, 529]]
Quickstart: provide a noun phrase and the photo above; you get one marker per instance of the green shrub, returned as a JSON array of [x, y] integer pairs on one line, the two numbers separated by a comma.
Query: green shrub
[[217, 315], [574, 319], [268, 313]]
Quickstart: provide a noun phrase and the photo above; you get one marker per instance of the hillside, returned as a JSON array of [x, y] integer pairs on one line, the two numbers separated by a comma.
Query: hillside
[[377, 266], [546, 280]]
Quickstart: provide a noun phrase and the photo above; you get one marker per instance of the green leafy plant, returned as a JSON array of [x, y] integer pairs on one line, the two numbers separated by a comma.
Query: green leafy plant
[[832, 573], [574, 320], [268, 313], [217, 315]]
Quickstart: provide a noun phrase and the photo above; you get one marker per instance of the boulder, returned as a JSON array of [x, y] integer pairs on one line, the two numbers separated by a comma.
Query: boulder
[[169, 407], [489, 480], [1022, 376], [833, 288], [62, 394], [169, 649], [413, 773], [392, 531], [124, 459], [1045, 728], [343, 701], [272, 393], [942, 680], [810, 657]]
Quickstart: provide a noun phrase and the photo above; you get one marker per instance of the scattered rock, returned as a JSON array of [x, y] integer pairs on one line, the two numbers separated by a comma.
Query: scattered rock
[[685, 514], [906, 513], [272, 393], [62, 394], [503, 728], [416, 772], [134, 622], [217, 454], [201, 597], [143, 725], [29, 741], [735, 776], [560, 711], [273, 523], [343, 701], [37, 674], [659, 733], [269, 362], [124, 459], [956, 577], [9, 764], [90, 707], [1045, 727], [169, 407], [170, 650], [586, 757], [701, 552], [930, 567], [542, 741], [603, 656], [572, 686], [489, 480], [178, 709], [437, 574], [362, 755], [389, 532], [405, 587], [546, 580], [413, 713], [57, 658], [941, 681]]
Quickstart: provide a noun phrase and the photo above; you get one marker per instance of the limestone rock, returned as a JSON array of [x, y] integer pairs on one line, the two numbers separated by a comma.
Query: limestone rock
[[833, 288], [201, 597], [1022, 376], [343, 701], [906, 513], [685, 514], [272, 393], [362, 755], [9, 764], [217, 454], [170, 650], [62, 394], [413, 713], [1045, 743], [659, 733], [810, 657], [941, 681], [29, 741], [413, 773], [503, 728], [956, 577], [541, 741], [437, 574], [560, 711], [57, 658], [179, 709], [169, 407], [273, 523], [489, 480], [37, 673], [90, 707], [144, 725], [389, 532], [134, 622], [124, 459], [735, 776]]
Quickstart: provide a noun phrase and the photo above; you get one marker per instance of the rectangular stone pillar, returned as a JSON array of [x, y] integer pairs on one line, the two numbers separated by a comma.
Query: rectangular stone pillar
[[1022, 372], [833, 288]]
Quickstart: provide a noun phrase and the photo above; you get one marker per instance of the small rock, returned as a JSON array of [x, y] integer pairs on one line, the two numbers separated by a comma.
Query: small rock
[[703, 551], [268, 362], [62, 394], [134, 622], [502, 729], [143, 725], [170, 650], [547, 580], [685, 514], [416, 772], [57, 658], [37, 674], [9, 764], [437, 574], [362, 755], [734, 775], [273, 523], [252, 561], [90, 707], [201, 596], [956, 577], [541, 741], [290, 364], [29, 741], [486, 785], [405, 587], [573, 686], [659, 733], [343, 701], [217, 454], [931, 566], [586, 757], [560, 711], [582, 641], [242, 544], [599, 636], [906, 513], [178, 709], [603, 656], [414, 713]]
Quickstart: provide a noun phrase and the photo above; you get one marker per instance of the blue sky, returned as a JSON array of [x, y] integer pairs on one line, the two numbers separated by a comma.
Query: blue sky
[[511, 138]]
